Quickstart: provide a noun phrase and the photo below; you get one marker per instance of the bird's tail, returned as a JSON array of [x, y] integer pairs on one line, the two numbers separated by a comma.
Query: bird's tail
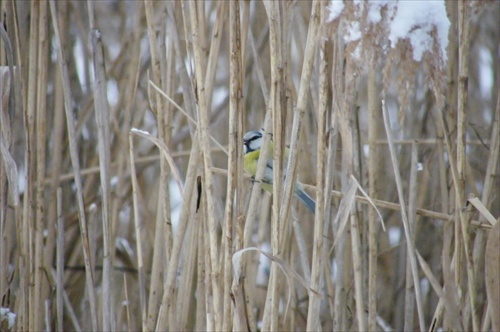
[[306, 199]]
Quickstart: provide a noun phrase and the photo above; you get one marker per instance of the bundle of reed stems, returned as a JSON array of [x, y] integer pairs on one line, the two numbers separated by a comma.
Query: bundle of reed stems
[[124, 204]]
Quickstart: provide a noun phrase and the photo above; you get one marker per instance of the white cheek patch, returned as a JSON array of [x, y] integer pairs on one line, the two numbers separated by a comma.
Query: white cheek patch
[[255, 144]]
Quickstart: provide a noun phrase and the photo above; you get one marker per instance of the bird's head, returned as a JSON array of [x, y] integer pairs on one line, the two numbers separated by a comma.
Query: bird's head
[[252, 141]]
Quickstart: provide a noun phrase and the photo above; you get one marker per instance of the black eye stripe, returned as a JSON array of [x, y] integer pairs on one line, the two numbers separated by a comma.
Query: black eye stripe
[[251, 139]]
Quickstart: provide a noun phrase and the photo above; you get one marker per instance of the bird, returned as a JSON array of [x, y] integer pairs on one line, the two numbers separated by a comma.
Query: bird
[[252, 142]]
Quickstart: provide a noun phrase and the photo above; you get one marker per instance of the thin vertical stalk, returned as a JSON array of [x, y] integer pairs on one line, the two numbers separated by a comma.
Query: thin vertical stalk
[[304, 86], [60, 263], [319, 257], [373, 175], [412, 201], [41, 288], [463, 85], [67, 303], [276, 100], [103, 125], [56, 158], [358, 272], [168, 299], [70, 122], [137, 223], [187, 302], [9, 176], [406, 226], [32, 304], [235, 139], [342, 271], [215, 48], [209, 189], [162, 228], [492, 167]]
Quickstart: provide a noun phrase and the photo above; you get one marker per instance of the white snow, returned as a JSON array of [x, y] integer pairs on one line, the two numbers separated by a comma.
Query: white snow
[[406, 20], [353, 32], [375, 8], [335, 8], [415, 20], [9, 316], [139, 131]]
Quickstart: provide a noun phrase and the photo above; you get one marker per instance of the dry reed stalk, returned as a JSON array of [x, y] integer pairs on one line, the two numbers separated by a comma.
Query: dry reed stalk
[[60, 262], [39, 135], [463, 72], [373, 175], [167, 302], [68, 107], [234, 166], [412, 205], [358, 273], [186, 303], [137, 223], [245, 298], [451, 306], [319, 257], [208, 183], [32, 303], [492, 283], [42, 289], [215, 48], [253, 205], [162, 230], [243, 317], [479, 246], [67, 304], [123, 111], [275, 15], [8, 168], [127, 303], [305, 78], [54, 183], [102, 117], [300, 240], [407, 229], [340, 302]]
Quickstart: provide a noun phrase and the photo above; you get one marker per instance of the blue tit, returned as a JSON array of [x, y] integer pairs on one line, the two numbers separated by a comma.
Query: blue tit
[[252, 141]]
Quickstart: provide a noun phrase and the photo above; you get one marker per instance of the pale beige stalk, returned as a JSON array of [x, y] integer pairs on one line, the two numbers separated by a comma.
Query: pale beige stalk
[[70, 122]]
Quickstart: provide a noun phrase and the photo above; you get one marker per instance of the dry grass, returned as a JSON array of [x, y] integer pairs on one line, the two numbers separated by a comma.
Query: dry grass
[[103, 227]]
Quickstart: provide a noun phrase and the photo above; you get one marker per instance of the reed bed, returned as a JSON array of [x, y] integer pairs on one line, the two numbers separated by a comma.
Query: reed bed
[[124, 204]]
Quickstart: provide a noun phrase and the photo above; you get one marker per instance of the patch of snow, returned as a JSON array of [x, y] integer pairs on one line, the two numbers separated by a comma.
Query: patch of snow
[[415, 20]]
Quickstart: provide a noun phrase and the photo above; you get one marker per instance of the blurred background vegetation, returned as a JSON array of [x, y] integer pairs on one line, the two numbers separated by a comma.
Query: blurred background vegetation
[[107, 228]]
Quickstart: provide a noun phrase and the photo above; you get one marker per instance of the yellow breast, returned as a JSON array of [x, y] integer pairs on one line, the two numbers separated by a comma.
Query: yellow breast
[[250, 161]]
